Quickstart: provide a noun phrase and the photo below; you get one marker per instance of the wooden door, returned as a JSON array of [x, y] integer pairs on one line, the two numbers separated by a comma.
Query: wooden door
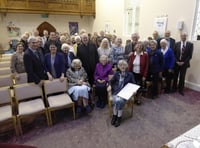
[[45, 26]]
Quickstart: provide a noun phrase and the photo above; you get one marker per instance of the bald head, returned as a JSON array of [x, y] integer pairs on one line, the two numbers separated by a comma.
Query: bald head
[[183, 36]]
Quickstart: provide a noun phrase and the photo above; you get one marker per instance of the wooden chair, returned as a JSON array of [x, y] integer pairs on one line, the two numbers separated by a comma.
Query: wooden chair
[[6, 80], [5, 59], [129, 104], [5, 64], [5, 71], [22, 79], [6, 109], [29, 102], [56, 96]]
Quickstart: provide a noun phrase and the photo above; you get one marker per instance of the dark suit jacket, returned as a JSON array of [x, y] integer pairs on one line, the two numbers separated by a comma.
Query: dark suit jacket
[[59, 63], [71, 56], [89, 57], [172, 43], [114, 82], [187, 55], [156, 61], [34, 67], [129, 48]]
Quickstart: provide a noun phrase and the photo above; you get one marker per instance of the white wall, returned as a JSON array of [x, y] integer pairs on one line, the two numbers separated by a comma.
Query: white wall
[[28, 22], [112, 12], [192, 75], [176, 10], [109, 12]]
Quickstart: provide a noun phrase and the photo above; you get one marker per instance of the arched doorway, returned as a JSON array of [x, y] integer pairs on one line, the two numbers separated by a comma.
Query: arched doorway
[[45, 26]]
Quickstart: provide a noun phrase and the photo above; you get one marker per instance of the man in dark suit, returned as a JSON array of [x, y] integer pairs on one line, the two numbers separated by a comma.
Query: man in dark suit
[[183, 54], [87, 53], [157, 37], [52, 39], [129, 48], [171, 41], [33, 64]]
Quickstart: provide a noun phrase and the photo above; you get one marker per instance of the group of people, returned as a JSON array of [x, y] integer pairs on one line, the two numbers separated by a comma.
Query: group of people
[[102, 61]]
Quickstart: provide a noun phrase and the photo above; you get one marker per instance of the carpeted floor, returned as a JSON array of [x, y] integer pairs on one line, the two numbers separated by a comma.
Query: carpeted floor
[[153, 124]]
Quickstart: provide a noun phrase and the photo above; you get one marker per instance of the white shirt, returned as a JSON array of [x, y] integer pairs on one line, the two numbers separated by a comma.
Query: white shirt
[[164, 50], [136, 63]]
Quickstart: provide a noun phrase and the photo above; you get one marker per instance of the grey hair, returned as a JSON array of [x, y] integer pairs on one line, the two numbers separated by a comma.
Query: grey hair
[[64, 45], [31, 39], [103, 57], [77, 37], [164, 41], [76, 61], [153, 41], [122, 62]]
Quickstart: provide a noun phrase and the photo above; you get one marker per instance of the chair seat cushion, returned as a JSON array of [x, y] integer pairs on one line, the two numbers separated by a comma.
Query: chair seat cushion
[[5, 112], [59, 100], [31, 106]]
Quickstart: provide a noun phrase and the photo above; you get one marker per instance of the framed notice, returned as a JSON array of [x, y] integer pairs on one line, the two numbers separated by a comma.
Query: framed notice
[[160, 25]]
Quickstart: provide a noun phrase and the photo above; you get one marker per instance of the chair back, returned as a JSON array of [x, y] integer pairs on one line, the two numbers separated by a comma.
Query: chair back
[[22, 78], [27, 91], [5, 95], [5, 71], [5, 64], [6, 80], [55, 86]]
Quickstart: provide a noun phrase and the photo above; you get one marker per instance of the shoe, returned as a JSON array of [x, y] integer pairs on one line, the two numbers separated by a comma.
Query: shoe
[[181, 93], [138, 102], [166, 91], [113, 120], [78, 110], [88, 109], [173, 90], [98, 103], [118, 121], [102, 105]]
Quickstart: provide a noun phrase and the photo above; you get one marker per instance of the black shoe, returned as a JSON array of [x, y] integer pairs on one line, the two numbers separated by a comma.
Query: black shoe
[[118, 121], [173, 90], [167, 91], [138, 102], [181, 93], [114, 118], [88, 109]]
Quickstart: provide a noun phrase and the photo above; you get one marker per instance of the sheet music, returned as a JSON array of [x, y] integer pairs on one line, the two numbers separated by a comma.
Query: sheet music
[[128, 91]]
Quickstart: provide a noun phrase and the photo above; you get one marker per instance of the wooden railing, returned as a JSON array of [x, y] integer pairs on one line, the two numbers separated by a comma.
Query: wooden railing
[[70, 7]]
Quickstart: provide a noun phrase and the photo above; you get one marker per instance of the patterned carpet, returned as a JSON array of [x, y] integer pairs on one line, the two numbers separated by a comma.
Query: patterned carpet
[[153, 124]]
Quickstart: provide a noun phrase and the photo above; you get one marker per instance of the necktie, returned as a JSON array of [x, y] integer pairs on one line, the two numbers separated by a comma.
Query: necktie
[[182, 52], [37, 54]]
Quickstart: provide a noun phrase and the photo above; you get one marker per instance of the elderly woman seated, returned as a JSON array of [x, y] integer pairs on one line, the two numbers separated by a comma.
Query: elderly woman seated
[[78, 86], [119, 80], [102, 71]]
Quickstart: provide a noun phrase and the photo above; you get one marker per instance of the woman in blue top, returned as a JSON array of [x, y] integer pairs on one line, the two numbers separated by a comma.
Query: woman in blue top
[[54, 63], [155, 67], [169, 60]]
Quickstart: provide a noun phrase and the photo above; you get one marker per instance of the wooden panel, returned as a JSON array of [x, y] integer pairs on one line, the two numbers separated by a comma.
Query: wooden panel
[[75, 7]]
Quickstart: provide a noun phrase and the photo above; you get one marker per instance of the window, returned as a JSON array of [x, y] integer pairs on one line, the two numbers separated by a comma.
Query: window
[[196, 25], [131, 16]]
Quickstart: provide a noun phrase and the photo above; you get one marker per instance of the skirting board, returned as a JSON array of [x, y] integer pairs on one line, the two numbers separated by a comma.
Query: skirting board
[[192, 86]]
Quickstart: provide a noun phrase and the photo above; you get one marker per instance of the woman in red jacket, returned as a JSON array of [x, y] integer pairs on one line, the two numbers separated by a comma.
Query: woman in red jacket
[[138, 65]]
